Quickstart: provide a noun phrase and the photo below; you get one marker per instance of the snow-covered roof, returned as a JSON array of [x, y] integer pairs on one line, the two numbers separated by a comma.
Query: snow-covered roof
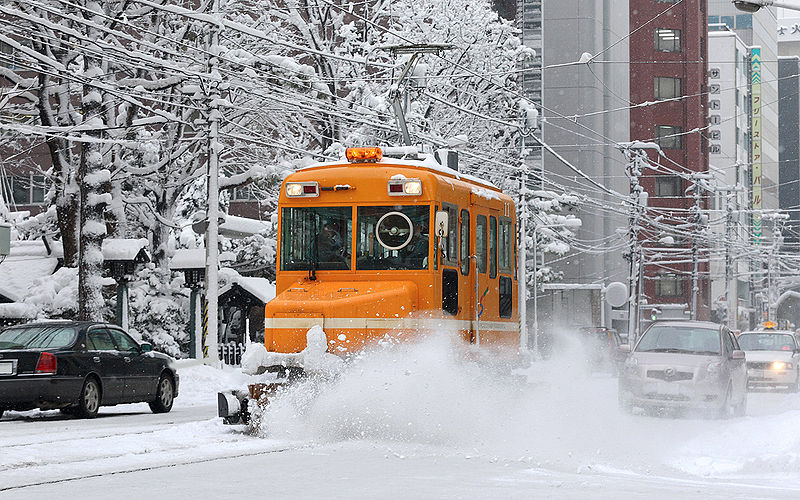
[[123, 248], [17, 310], [27, 261], [233, 226], [186, 258], [427, 162], [242, 227], [261, 288]]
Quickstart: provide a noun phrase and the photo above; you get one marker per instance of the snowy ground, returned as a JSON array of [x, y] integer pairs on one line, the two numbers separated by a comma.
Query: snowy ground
[[415, 422]]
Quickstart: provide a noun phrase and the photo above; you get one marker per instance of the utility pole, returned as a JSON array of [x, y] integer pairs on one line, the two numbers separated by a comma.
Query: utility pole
[[529, 123], [637, 159], [210, 354], [778, 219], [696, 215], [731, 296]]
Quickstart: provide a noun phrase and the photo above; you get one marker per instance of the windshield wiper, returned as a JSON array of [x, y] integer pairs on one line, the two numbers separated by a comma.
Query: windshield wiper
[[312, 271]]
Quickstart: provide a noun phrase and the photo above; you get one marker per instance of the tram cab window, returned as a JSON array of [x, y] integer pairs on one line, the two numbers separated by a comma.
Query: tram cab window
[[480, 242], [506, 292], [492, 246], [316, 238], [392, 237], [505, 246]]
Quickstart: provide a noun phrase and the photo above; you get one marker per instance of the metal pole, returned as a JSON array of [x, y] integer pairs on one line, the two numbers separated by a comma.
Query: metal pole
[[522, 254], [535, 294], [210, 354]]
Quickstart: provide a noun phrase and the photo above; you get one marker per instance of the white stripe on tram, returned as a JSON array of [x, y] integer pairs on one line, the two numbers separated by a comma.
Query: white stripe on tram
[[389, 323]]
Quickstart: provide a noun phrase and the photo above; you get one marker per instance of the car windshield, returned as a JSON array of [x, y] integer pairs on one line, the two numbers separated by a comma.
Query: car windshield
[[766, 342], [684, 339], [37, 337], [394, 237], [316, 238]]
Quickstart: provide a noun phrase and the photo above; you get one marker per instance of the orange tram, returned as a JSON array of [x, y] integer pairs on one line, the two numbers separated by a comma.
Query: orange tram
[[376, 246]]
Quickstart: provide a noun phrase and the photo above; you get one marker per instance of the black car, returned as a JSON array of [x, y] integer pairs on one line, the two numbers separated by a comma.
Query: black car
[[78, 366]]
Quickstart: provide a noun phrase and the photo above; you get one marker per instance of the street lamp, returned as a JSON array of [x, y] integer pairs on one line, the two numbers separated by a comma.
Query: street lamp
[[755, 5]]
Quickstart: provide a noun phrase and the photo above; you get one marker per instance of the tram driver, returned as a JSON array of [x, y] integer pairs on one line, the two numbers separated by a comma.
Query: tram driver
[[417, 253], [329, 242]]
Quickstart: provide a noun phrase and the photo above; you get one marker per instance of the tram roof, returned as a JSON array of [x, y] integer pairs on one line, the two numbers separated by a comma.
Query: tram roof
[[427, 162]]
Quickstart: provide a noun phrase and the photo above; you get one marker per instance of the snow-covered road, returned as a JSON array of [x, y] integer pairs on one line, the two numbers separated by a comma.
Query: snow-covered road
[[403, 428]]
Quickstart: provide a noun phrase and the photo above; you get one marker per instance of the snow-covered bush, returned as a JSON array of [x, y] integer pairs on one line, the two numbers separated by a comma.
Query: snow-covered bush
[[55, 296], [159, 310]]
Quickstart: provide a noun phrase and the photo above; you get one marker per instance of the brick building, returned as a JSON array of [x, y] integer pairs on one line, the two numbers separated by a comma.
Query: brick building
[[668, 59]]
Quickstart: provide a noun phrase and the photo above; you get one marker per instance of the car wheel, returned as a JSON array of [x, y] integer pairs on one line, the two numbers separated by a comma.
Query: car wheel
[[89, 402], [2, 410], [165, 395]]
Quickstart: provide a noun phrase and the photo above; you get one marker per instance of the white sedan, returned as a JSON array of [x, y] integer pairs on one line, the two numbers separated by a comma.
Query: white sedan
[[773, 359]]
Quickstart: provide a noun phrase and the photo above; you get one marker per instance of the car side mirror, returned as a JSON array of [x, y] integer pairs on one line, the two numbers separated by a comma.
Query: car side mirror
[[626, 348], [146, 347], [737, 355]]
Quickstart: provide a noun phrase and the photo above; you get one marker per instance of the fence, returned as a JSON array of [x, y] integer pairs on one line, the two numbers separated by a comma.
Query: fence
[[231, 353]]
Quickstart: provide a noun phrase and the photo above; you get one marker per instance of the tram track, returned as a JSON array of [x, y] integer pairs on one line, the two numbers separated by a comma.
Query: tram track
[[148, 468]]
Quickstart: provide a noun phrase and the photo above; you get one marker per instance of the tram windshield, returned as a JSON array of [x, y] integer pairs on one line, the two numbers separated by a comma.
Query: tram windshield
[[316, 238], [392, 237]]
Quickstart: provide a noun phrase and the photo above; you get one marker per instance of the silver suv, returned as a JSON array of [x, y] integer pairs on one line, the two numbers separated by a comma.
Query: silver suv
[[685, 364]]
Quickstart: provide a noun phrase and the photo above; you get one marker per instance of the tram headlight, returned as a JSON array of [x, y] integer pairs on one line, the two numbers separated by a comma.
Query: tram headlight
[[302, 189], [412, 187], [405, 187]]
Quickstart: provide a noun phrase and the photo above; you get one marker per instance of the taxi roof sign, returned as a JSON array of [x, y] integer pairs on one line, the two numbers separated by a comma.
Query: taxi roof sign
[[769, 324]]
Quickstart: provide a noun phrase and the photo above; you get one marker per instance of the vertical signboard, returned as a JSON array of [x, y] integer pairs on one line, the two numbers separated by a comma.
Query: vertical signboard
[[755, 136]]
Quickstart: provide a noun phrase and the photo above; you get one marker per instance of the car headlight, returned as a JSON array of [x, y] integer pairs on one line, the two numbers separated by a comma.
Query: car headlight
[[780, 365], [714, 368], [631, 364]]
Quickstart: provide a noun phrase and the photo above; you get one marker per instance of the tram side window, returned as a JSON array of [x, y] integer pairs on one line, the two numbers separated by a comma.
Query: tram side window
[[451, 244], [450, 291], [505, 246], [492, 246], [506, 297], [316, 238], [480, 242], [465, 262]]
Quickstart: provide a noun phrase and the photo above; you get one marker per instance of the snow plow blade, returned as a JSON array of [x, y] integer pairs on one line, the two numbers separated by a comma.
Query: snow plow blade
[[233, 406]]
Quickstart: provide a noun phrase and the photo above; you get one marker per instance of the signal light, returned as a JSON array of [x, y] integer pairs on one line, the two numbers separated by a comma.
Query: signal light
[[47, 364], [364, 155], [395, 188]]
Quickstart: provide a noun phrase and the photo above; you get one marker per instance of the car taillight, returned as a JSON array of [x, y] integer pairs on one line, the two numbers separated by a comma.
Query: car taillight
[[46, 365]]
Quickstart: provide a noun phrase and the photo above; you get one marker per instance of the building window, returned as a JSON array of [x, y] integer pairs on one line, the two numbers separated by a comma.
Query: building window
[[667, 1], [668, 40], [727, 21], [243, 193], [744, 21], [669, 286], [668, 136], [668, 186], [27, 189], [666, 87]]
